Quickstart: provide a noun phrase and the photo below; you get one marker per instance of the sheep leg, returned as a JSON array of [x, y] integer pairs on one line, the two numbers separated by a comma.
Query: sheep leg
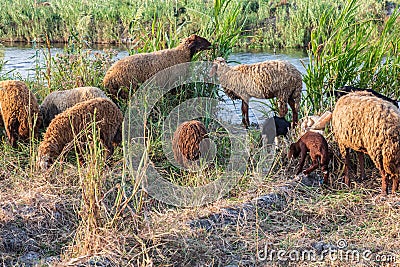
[[293, 107], [360, 156], [302, 160], [384, 190], [346, 167], [245, 114], [325, 171], [12, 131], [395, 184], [282, 107], [314, 166]]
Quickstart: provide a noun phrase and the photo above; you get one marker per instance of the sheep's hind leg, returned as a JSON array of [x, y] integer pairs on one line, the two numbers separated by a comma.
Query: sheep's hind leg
[[346, 167], [245, 114], [395, 183], [384, 190], [360, 156]]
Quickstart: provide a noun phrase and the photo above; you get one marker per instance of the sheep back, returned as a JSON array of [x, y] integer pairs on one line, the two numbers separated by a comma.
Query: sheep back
[[19, 110], [73, 121], [186, 142], [58, 101], [368, 124]]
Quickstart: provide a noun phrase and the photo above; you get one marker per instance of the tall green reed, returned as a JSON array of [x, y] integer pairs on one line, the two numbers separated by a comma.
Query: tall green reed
[[355, 53]]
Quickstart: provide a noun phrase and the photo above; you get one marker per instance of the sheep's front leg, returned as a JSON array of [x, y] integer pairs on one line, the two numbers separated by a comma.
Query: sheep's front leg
[[12, 131], [282, 107], [360, 156], [245, 114], [303, 155], [384, 190], [294, 109]]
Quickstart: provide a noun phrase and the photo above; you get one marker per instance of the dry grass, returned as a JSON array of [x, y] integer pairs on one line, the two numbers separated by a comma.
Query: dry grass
[[45, 219]]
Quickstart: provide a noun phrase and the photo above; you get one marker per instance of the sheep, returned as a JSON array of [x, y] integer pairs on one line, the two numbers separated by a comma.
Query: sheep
[[317, 145], [70, 124], [370, 125], [316, 123], [268, 79], [133, 70], [274, 127], [58, 101], [189, 143], [347, 89], [19, 111]]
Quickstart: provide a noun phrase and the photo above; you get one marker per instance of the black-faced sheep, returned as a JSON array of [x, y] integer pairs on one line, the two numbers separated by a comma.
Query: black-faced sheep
[[189, 143], [262, 80], [316, 144], [58, 101], [130, 71], [348, 89], [19, 110], [70, 124], [368, 124]]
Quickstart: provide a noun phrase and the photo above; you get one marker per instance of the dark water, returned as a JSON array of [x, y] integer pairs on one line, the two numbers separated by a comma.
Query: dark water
[[23, 61]]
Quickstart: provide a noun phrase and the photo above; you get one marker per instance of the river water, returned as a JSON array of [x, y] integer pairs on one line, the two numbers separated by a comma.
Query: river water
[[22, 61]]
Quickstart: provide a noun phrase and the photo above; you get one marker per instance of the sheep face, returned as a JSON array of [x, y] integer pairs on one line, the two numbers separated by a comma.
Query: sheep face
[[196, 44], [218, 61], [44, 162], [294, 151]]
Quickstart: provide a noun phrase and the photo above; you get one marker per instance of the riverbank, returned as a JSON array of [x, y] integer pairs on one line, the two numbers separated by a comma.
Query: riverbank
[[262, 24]]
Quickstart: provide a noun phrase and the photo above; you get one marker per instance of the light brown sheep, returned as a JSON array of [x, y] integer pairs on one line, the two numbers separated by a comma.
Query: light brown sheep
[[189, 143], [264, 80], [58, 101], [368, 124], [73, 121], [316, 144], [130, 71], [20, 111]]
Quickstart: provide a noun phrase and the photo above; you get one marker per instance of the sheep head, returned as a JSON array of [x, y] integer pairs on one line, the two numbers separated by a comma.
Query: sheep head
[[218, 61], [294, 151], [196, 44]]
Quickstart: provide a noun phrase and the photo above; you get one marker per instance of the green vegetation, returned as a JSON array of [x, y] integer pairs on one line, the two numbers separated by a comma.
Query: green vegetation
[[82, 211], [159, 24]]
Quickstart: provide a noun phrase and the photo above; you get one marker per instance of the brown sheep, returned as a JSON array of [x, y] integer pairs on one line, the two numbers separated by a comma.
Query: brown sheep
[[72, 122], [263, 80], [370, 125], [189, 142], [133, 70], [316, 144], [20, 111]]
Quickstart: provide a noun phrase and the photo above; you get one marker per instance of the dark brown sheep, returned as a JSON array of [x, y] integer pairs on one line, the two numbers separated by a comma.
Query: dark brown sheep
[[189, 143], [19, 109], [316, 144]]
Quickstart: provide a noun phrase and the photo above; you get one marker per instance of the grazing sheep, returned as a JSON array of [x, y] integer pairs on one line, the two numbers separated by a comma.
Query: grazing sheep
[[347, 89], [189, 142], [58, 101], [69, 124], [368, 124], [19, 110], [316, 144], [264, 80], [133, 70]]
